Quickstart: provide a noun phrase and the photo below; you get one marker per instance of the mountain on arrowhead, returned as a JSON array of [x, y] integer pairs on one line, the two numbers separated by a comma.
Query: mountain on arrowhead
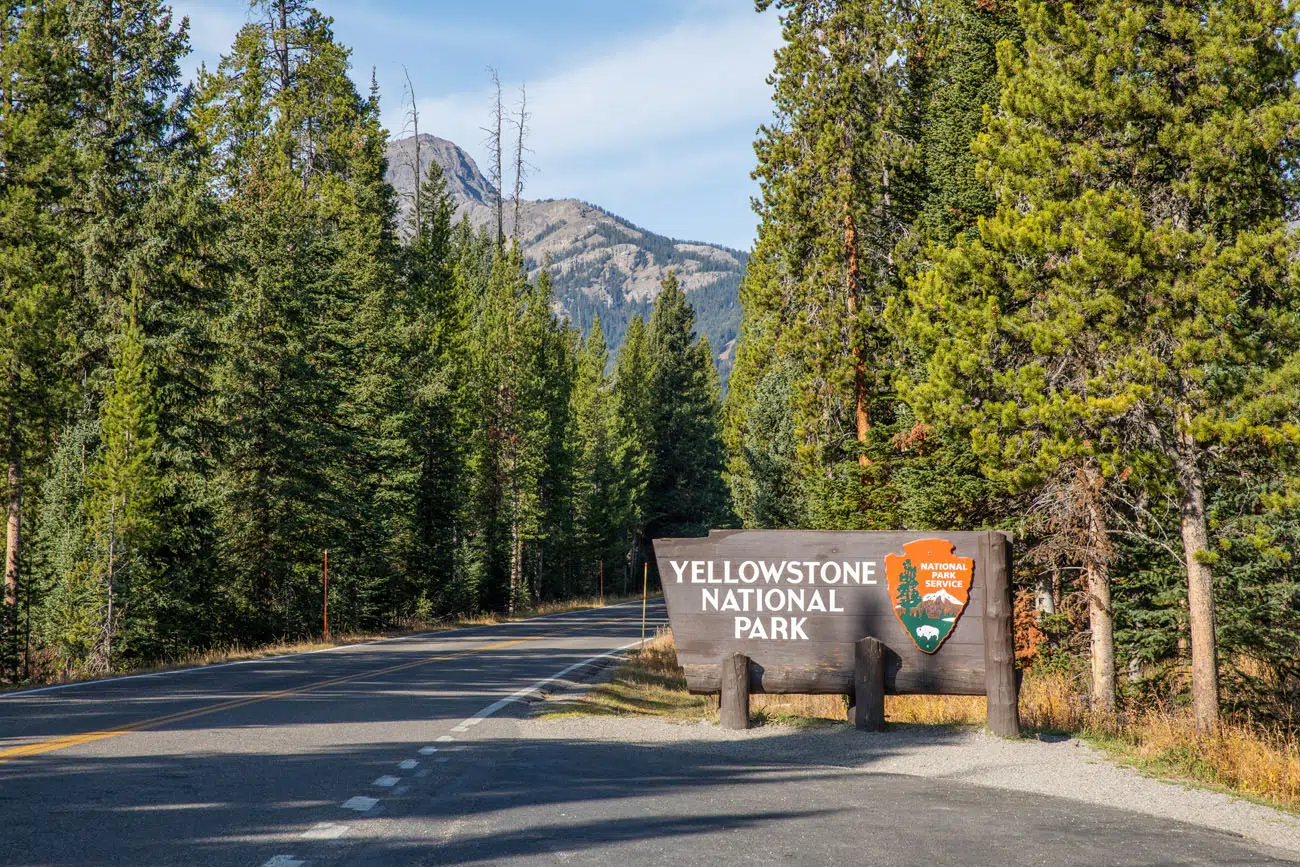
[[941, 596], [600, 263]]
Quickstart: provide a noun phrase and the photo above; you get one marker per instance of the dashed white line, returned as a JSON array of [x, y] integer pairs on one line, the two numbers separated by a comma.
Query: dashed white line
[[360, 803], [325, 831]]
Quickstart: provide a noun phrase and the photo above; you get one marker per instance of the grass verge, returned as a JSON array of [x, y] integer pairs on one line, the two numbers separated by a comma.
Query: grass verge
[[239, 652]]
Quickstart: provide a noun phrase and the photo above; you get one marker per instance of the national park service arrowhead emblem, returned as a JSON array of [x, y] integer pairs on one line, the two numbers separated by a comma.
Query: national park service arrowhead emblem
[[929, 586]]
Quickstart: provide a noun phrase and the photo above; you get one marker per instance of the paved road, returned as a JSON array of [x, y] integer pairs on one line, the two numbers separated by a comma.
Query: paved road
[[408, 752]]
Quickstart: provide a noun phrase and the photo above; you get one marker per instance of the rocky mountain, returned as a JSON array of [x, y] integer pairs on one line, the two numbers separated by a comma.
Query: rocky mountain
[[599, 262]]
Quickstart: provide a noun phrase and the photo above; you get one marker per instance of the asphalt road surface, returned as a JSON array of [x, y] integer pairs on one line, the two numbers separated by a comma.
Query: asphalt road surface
[[415, 751]]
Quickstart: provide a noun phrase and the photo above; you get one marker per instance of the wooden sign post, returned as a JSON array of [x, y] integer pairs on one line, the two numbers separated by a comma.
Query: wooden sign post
[[857, 614]]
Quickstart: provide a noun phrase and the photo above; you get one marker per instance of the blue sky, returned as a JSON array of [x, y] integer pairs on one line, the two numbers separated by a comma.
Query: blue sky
[[647, 108]]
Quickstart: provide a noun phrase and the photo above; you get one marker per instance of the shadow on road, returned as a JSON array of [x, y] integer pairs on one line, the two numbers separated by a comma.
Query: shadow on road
[[788, 797]]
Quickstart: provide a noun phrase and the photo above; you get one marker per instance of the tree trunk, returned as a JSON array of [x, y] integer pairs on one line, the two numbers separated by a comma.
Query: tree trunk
[[1200, 587], [1101, 619], [860, 408], [516, 564], [1102, 624], [112, 562], [13, 513], [1045, 592]]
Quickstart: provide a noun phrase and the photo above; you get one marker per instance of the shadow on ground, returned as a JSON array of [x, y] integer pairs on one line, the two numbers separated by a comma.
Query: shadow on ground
[[781, 798]]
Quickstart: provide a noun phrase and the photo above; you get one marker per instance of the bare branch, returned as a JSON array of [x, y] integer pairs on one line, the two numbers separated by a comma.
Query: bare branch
[[522, 167]]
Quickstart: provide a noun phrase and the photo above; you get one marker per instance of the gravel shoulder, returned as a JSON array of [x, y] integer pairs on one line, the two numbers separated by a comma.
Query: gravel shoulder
[[1068, 769]]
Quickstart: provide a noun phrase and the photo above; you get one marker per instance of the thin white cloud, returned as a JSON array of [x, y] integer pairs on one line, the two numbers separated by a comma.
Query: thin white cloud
[[703, 76]]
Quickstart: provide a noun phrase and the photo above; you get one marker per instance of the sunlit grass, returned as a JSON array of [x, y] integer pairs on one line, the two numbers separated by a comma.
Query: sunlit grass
[[648, 682]]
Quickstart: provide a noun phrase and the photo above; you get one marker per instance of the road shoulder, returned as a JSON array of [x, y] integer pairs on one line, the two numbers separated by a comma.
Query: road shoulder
[[1068, 769]]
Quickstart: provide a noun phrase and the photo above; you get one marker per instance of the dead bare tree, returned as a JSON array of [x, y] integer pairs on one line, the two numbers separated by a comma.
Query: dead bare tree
[[493, 142], [413, 155], [520, 121]]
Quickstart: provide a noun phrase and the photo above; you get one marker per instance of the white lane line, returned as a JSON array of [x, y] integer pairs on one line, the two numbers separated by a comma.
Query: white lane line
[[386, 782], [428, 751], [571, 615], [524, 693], [325, 831], [360, 803], [284, 861], [461, 729], [408, 764], [445, 739]]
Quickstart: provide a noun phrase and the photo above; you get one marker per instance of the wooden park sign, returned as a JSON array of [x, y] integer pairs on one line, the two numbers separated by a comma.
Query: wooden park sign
[[857, 614]]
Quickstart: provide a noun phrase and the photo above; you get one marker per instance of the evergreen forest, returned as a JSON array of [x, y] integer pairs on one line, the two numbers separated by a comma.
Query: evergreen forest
[[1031, 265], [1020, 264], [223, 361]]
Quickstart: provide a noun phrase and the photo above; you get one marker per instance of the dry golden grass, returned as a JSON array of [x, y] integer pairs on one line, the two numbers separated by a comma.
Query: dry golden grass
[[798, 709], [935, 710], [1241, 758], [239, 652], [1052, 702], [648, 683]]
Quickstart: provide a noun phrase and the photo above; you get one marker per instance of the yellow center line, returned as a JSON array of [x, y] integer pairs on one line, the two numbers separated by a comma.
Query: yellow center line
[[61, 743]]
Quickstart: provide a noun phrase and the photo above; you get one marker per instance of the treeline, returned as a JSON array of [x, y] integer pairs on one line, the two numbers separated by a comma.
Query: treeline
[[1029, 265], [222, 358]]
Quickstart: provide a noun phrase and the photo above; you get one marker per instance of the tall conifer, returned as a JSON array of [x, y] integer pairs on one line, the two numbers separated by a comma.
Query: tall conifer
[[1134, 311]]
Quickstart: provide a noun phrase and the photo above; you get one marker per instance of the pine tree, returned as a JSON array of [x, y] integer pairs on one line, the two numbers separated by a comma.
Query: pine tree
[[35, 161], [834, 173], [634, 441], [124, 486], [311, 249], [1135, 310], [961, 83], [909, 594], [685, 494], [596, 492], [433, 326], [70, 616]]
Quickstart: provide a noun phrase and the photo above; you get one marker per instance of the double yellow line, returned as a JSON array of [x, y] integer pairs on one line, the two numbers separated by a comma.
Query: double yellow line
[[61, 743]]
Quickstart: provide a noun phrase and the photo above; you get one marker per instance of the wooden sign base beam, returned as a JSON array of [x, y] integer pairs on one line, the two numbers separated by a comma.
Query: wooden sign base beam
[[734, 700], [868, 711]]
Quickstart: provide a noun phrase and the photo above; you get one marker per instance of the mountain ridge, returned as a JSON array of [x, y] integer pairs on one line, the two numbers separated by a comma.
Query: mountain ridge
[[600, 263]]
